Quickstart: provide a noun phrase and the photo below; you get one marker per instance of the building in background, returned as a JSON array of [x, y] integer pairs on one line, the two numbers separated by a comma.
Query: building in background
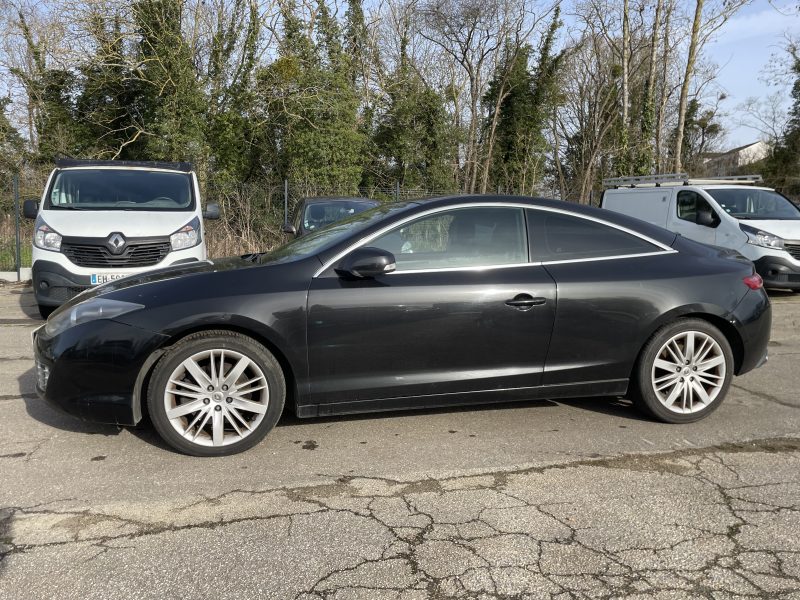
[[718, 164]]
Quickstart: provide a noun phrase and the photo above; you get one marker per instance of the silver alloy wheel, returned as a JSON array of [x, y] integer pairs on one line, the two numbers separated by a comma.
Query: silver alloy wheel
[[689, 372], [216, 397]]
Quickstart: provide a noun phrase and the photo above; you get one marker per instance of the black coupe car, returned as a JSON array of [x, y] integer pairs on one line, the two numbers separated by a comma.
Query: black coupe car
[[466, 299]]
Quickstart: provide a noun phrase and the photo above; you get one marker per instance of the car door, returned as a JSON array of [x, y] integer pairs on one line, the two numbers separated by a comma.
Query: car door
[[464, 311], [686, 218], [611, 284]]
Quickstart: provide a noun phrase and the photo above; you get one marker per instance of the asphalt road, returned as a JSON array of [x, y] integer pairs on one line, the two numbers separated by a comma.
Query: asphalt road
[[580, 498]]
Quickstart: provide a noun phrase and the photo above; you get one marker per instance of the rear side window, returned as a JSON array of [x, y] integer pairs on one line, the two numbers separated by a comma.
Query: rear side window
[[557, 236]]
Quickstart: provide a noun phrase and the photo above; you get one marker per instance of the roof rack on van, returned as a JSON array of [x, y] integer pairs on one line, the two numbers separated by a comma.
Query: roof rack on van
[[64, 163], [677, 179]]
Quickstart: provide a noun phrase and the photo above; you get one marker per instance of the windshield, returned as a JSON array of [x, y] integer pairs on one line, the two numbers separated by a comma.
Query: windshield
[[120, 189], [744, 203], [331, 235], [320, 214]]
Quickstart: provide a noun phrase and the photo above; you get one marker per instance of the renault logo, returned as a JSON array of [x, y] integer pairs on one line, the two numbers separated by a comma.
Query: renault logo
[[116, 243]]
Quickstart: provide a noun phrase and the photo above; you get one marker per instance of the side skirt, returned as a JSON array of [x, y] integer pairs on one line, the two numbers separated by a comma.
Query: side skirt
[[611, 387]]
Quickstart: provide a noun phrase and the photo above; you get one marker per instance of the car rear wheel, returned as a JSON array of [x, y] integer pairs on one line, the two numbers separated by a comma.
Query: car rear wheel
[[684, 371], [216, 393]]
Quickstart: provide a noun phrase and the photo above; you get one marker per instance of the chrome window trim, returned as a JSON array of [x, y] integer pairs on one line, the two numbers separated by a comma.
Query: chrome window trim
[[365, 240]]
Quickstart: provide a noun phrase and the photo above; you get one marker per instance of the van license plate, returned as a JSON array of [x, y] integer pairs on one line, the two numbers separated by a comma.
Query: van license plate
[[98, 278]]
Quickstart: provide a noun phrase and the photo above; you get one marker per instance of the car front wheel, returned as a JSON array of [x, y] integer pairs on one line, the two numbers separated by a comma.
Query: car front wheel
[[216, 393], [684, 371]]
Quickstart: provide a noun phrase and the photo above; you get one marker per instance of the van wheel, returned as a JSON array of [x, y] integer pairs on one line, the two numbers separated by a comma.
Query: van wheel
[[46, 311], [216, 393], [683, 372]]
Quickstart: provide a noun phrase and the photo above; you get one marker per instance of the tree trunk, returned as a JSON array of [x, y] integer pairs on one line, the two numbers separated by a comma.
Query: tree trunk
[[662, 105], [626, 49], [687, 80]]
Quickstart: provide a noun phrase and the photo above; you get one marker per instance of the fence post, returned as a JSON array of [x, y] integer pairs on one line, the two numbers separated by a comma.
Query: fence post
[[397, 190], [17, 256], [285, 201]]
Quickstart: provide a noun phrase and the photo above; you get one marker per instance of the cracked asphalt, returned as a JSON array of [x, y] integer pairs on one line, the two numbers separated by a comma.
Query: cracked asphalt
[[568, 499]]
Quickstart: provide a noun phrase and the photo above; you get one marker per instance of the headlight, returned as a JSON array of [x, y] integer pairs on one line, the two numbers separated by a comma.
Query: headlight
[[88, 310], [187, 236], [44, 237], [757, 237]]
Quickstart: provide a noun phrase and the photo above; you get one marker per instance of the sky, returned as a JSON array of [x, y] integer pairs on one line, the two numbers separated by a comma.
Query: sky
[[742, 50]]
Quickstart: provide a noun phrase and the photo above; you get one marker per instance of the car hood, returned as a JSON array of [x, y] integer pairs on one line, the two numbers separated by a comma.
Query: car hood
[[171, 272], [788, 230], [102, 223]]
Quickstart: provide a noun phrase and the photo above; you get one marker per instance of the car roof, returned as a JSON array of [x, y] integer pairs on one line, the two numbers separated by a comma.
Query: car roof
[[598, 214]]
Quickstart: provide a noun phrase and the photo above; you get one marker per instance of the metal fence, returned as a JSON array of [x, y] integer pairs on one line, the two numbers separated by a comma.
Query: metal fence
[[16, 232]]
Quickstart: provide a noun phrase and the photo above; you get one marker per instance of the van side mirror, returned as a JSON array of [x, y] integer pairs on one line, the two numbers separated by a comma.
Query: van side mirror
[[211, 212], [289, 228], [30, 208], [366, 263], [706, 218]]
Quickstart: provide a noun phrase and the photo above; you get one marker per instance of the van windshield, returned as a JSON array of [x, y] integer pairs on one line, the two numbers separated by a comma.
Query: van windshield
[[120, 189], [748, 203]]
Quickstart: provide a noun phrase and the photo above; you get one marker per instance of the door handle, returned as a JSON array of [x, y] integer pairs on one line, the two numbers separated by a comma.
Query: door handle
[[525, 301]]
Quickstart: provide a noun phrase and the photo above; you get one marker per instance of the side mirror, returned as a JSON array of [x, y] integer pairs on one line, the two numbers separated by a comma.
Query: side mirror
[[211, 211], [30, 208], [367, 262], [289, 228], [706, 218]]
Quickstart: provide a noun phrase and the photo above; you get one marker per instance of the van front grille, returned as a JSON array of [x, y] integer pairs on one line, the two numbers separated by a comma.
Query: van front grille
[[793, 249], [96, 254]]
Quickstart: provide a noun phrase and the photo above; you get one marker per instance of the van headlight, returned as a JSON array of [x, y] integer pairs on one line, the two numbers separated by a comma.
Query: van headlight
[[758, 237], [88, 310], [187, 236], [46, 238]]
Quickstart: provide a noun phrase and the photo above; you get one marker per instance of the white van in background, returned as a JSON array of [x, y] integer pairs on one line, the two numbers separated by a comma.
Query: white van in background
[[731, 212], [102, 220]]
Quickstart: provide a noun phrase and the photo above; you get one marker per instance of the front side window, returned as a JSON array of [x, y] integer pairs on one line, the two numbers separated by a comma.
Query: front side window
[[690, 204], [560, 237], [465, 237], [750, 203], [120, 189], [321, 214]]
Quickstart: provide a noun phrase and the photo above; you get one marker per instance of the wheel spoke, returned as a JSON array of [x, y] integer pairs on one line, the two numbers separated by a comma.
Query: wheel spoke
[[666, 365], [701, 392], [196, 371], [710, 363], [213, 368], [185, 409], [236, 371], [217, 427], [688, 350], [236, 414], [202, 425], [677, 356], [248, 391], [673, 396], [248, 405], [232, 421], [188, 386], [195, 420]]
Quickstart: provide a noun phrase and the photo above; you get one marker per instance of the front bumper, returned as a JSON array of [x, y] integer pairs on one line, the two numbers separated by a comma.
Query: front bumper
[[778, 272], [91, 370], [54, 284]]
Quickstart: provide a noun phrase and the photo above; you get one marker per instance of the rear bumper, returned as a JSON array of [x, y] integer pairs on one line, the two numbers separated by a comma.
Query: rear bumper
[[778, 272], [91, 370], [753, 320]]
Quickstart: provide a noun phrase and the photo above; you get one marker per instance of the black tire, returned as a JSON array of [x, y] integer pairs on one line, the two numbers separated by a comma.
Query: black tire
[[643, 391], [46, 311], [215, 340]]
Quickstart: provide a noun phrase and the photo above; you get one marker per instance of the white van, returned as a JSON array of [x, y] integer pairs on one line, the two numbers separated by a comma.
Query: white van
[[102, 220], [730, 212]]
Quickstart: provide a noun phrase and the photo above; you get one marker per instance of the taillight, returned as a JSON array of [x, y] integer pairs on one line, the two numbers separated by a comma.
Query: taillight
[[754, 282]]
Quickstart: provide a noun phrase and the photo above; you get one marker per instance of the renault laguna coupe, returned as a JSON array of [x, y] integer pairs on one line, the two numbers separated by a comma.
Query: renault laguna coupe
[[458, 300]]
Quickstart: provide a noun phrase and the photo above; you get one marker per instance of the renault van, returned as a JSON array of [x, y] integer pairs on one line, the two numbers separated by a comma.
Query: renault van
[[731, 212], [103, 220]]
